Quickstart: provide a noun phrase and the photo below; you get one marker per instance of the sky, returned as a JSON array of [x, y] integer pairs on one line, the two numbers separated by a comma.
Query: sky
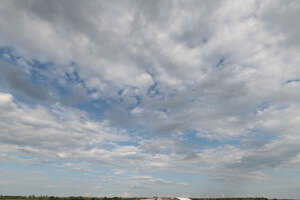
[[150, 98]]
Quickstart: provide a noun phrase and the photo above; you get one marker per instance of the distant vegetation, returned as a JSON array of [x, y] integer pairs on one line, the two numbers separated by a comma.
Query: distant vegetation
[[30, 197], [33, 197]]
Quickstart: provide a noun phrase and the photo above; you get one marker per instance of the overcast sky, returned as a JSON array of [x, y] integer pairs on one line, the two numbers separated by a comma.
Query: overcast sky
[[150, 98]]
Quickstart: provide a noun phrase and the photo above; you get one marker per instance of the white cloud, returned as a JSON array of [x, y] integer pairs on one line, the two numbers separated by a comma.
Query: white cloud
[[5, 99], [226, 71], [55, 133], [137, 110], [118, 171]]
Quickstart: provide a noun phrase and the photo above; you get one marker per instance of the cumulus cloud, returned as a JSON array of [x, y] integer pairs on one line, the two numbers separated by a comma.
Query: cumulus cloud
[[55, 133], [17, 80]]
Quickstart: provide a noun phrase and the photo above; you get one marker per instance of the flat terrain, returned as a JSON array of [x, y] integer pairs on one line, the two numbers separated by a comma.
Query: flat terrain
[[107, 198]]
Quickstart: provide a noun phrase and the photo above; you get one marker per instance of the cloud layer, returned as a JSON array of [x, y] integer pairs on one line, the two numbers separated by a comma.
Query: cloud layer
[[153, 93]]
